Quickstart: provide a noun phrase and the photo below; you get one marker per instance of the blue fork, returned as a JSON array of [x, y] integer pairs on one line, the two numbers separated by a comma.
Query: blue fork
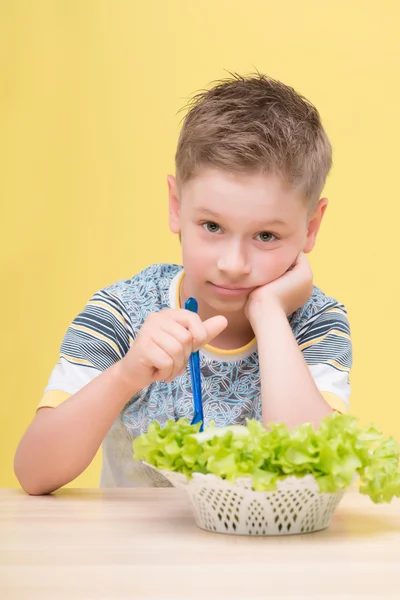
[[194, 363]]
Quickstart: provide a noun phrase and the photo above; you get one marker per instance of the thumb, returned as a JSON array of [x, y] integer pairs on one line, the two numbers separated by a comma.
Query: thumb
[[214, 327]]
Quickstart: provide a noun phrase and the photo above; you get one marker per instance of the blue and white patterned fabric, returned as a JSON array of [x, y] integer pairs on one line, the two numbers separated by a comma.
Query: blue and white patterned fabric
[[104, 331]]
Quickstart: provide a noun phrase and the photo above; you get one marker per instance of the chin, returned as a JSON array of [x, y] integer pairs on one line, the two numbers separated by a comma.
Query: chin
[[228, 305]]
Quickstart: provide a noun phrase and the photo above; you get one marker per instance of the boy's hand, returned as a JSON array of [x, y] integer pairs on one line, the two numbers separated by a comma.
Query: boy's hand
[[290, 291], [164, 343]]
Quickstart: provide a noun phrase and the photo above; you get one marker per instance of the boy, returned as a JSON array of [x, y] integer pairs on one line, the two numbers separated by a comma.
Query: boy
[[251, 163]]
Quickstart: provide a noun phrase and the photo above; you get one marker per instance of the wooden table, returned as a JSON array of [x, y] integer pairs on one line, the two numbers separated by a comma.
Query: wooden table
[[143, 543]]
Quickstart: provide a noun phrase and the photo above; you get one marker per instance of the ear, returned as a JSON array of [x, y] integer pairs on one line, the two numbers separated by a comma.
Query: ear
[[314, 225], [174, 205]]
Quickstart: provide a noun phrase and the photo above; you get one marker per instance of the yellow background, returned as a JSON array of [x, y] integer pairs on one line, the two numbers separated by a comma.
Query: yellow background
[[90, 92]]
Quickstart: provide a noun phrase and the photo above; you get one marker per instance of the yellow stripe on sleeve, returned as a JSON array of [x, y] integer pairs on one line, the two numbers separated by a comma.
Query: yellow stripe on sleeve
[[74, 359], [109, 308], [112, 310], [335, 402], [338, 365], [53, 398], [97, 335], [323, 337], [336, 310]]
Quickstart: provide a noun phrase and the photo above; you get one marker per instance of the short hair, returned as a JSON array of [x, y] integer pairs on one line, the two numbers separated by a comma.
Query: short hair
[[248, 124]]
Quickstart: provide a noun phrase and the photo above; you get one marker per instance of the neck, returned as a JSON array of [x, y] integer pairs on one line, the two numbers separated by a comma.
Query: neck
[[236, 335]]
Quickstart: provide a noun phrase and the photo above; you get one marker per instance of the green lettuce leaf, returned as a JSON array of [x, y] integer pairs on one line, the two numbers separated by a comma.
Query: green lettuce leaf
[[334, 453]]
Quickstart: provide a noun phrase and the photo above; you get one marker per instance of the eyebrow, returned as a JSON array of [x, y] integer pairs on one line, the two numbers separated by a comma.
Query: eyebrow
[[219, 216]]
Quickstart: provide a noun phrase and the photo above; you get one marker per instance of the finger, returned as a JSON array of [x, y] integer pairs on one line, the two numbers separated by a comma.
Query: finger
[[214, 327], [193, 323], [172, 347], [159, 360], [303, 264], [180, 333], [295, 262], [302, 259]]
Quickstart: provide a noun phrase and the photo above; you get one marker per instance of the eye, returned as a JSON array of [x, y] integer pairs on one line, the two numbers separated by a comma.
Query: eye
[[211, 227], [265, 236]]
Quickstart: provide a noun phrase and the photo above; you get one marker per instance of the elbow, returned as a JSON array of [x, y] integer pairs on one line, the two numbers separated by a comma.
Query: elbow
[[29, 484], [33, 491], [33, 488]]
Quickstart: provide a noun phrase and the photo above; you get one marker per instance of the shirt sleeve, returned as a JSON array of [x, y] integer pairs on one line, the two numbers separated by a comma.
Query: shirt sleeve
[[325, 343], [96, 339]]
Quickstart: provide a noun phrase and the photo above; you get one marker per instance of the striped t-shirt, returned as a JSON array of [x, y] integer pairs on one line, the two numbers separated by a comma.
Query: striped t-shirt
[[108, 325]]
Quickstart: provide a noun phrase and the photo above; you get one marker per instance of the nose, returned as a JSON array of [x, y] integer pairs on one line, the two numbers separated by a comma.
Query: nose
[[233, 261]]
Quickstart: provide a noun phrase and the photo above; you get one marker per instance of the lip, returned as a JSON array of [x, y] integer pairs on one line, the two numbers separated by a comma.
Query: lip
[[229, 291]]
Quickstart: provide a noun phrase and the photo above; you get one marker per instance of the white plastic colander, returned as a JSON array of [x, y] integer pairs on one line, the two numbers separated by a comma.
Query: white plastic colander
[[296, 506]]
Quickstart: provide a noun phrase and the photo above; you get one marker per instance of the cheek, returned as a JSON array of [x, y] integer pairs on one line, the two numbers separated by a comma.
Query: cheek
[[194, 257], [275, 264]]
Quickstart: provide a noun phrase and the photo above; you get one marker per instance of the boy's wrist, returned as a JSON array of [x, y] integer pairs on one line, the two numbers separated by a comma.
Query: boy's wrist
[[260, 312], [125, 383]]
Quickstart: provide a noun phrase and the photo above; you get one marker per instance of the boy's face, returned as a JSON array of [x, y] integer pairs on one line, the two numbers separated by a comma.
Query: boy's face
[[238, 232]]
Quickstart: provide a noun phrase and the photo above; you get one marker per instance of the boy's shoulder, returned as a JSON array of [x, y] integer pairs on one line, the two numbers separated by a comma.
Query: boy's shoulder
[[319, 305], [147, 291]]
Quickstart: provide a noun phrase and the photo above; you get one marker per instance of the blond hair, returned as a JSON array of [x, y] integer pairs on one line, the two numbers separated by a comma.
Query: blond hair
[[255, 124]]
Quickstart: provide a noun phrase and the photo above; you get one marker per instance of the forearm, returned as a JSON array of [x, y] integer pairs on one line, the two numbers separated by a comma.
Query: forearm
[[61, 442], [289, 394]]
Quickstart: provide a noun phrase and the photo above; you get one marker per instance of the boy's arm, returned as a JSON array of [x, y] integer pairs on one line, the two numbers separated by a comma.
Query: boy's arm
[[61, 442], [289, 392]]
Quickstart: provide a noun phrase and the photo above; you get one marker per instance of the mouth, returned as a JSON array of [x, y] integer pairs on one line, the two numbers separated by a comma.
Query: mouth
[[230, 290]]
